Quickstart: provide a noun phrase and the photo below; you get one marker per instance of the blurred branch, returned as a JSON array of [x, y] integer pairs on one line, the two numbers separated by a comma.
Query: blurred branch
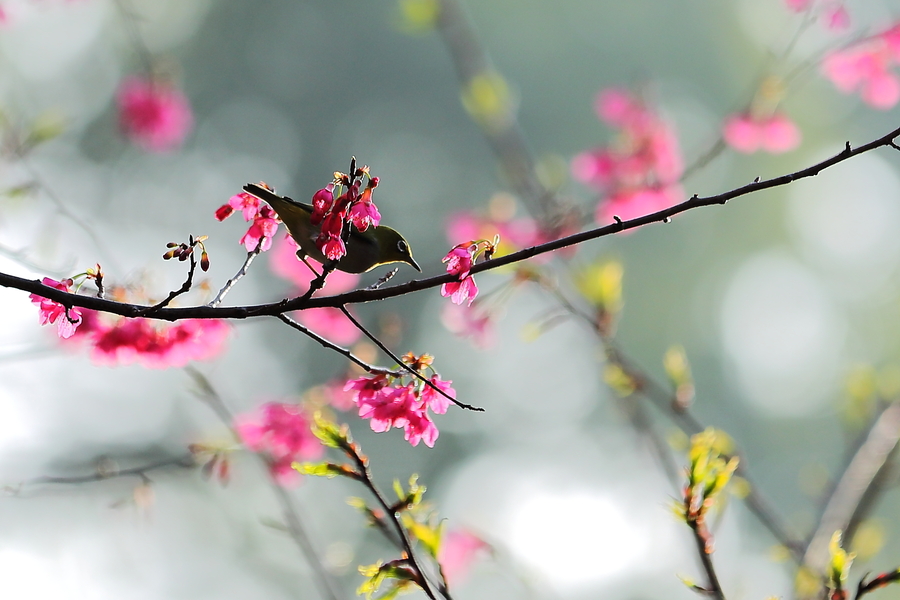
[[667, 403], [507, 140], [856, 481], [328, 587], [107, 469], [360, 296]]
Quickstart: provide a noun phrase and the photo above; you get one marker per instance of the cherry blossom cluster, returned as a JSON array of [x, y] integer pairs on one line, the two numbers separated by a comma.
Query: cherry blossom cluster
[[868, 67], [459, 263], [762, 126], [332, 209], [153, 114], [263, 220], [403, 401], [638, 173], [281, 431], [119, 340]]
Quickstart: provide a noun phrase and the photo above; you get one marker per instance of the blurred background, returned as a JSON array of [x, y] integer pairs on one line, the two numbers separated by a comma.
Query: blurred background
[[779, 299]]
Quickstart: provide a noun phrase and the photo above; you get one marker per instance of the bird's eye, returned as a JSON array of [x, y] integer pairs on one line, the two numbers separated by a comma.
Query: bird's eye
[[401, 246]]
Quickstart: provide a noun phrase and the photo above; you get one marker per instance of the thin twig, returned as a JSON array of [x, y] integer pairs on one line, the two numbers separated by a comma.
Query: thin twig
[[327, 586], [402, 364], [185, 287], [102, 473], [715, 588], [215, 302]]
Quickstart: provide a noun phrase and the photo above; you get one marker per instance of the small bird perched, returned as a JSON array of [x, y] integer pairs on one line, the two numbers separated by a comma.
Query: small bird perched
[[376, 246]]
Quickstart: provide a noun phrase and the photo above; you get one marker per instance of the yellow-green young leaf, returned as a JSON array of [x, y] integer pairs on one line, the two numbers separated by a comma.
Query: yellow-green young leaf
[[677, 367], [688, 582], [418, 16], [357, 503], [618, 380], [839, 562], [398, 489], [430, 537], [488, 99], [600, 283], [329, 433], [46, 127], [325, 469]]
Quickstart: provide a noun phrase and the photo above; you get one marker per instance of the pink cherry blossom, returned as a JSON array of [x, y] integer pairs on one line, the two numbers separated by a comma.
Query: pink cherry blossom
[[151, 344], [330, 323], [866, 67], [363, 214], [798, 5], [261, 231], [389, 402], [775, 133], [458, 552], [153, 114], [52, 312], [282, 431], [643, 162]]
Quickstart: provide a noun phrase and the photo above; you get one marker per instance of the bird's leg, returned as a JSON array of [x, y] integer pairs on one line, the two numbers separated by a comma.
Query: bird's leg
[[302, 256]]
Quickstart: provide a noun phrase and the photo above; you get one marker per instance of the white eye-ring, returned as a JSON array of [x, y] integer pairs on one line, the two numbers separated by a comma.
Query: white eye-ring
[[401, 246]]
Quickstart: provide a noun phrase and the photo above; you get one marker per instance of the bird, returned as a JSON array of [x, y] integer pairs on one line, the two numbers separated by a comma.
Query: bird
[[366, 250]]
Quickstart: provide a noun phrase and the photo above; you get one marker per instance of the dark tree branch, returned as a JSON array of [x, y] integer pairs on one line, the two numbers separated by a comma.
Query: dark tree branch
[[362, 296]]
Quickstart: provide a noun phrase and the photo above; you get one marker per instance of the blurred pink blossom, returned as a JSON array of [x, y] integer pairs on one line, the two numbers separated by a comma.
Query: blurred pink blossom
[[866, 67], [640, 169], [153, 114], [775, 133], [458, 552], [282, 431]]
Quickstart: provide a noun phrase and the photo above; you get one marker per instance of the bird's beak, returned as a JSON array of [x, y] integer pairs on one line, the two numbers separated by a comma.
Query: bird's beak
[[412, 262]]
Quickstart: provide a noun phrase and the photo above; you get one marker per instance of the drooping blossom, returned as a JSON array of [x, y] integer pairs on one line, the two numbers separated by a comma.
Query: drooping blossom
[[748, 133], [282, 431], [458, 552], [643, 162], [869, 68], [153, 114], [403, 401], [342, 203], [459, 262], [120, 341], [52, 312], [264, 220]]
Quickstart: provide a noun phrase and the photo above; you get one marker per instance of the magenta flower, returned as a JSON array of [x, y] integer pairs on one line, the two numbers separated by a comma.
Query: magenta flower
[[153, 114], [459, 262], [282, 431], [67, 321], [389, 401], [363, 214], [261, 231]]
